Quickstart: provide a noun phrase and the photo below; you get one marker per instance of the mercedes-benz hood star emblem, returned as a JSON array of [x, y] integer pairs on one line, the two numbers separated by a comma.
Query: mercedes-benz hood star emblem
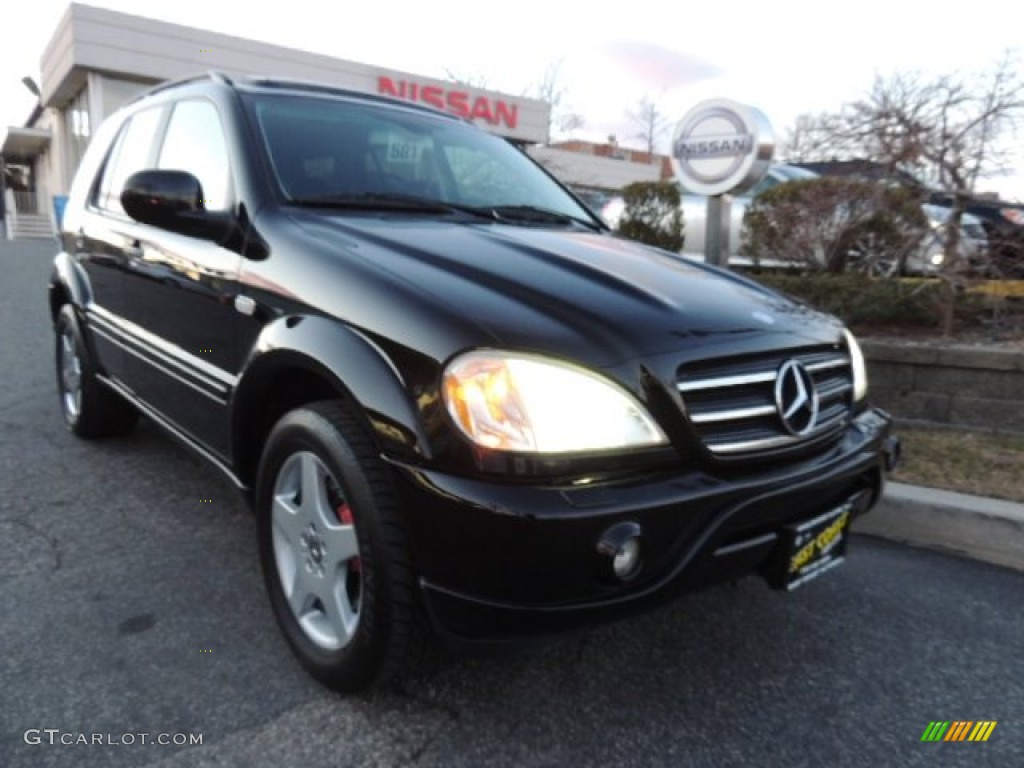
[[796, 398]]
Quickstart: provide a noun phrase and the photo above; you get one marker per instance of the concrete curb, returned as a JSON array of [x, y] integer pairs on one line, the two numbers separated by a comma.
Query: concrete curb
[[977, 527]]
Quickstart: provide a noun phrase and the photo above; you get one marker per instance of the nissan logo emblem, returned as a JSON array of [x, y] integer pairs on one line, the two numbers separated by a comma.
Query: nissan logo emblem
[[796, 398], [729, 140], [721, 146]]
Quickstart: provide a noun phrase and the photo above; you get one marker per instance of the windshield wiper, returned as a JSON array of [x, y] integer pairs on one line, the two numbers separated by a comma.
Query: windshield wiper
[[535, 213], [389, 201], [394, 201]]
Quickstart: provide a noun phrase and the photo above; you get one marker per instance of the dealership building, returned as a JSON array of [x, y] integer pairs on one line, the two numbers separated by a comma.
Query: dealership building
[[98, 60]]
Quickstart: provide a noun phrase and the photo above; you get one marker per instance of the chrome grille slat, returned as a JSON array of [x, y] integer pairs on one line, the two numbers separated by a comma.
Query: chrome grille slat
[[779, 441], [830, 391], [731, 402], [727, 381], [828, 365], [733, 415]]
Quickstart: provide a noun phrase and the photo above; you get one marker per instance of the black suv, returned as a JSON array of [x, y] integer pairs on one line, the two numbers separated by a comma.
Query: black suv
[[454, 399], [1003, 223]]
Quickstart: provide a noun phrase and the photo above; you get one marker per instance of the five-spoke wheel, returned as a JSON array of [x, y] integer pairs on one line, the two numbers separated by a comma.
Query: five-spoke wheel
[[89, 408], [316, 551], [333, 548]]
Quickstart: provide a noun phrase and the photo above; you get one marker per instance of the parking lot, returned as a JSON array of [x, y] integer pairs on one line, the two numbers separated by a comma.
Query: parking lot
[[131, 602]]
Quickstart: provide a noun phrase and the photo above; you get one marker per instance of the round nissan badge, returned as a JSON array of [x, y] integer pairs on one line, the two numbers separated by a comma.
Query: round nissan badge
[[722, 146]]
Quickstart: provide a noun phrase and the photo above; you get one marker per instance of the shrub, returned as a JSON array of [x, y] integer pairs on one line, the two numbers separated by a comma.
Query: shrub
[[824, 223], [868, 303], [653, 214]]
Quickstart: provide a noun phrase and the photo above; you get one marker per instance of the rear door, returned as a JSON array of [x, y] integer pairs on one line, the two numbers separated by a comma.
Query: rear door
[[105, 236]]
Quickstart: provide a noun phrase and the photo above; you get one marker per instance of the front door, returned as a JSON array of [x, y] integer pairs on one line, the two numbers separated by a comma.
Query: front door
[[179, 292]]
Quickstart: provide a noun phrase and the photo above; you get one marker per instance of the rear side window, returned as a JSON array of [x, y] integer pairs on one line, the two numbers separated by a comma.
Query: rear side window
[[132, 152], [194, 142]]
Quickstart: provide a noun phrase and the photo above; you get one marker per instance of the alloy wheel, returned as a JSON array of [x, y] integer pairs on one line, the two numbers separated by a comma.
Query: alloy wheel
[[316, 551], [70, 375]]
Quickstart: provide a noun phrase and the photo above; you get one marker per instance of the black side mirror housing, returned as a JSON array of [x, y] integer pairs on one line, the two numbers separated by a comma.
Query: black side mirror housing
[[173, 200]]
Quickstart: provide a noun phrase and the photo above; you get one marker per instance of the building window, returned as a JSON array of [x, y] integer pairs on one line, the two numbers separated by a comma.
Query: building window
[[79, 129]]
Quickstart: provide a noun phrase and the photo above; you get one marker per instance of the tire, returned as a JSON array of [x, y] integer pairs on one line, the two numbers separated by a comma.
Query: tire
[[335, 559], [90, 409]]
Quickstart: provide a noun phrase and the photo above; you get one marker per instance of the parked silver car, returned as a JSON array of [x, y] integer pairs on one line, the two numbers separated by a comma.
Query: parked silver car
[[927, 259]]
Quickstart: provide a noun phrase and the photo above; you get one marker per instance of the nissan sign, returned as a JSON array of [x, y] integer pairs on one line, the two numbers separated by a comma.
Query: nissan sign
[[721, 146]]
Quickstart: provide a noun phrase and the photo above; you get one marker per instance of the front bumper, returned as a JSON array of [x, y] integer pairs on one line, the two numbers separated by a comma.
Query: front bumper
[[500, 561]]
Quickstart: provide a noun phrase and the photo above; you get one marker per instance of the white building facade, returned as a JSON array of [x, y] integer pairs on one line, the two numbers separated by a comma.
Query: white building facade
[[98, 60]]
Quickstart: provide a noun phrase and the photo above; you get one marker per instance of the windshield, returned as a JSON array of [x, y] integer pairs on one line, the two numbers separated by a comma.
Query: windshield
[[331, 148], [793, 173]]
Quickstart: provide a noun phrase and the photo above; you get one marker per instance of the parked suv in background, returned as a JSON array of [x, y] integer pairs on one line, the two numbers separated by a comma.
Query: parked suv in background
[[452, 396], [1002, 224]]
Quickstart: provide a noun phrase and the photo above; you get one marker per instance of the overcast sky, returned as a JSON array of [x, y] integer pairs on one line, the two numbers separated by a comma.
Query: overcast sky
[[783, 56]]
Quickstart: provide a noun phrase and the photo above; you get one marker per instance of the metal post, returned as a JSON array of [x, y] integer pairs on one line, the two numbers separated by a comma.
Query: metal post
[[716, 243]]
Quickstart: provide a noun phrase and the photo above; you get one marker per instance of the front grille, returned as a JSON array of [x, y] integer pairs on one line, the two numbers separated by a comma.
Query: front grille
[[731, 402]]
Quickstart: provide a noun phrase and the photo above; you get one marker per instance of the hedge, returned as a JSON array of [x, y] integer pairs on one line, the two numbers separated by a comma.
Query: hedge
[[863, 302]]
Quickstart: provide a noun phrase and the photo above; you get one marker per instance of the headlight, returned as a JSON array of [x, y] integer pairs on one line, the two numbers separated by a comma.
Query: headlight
[[513, 402], [860, 369]]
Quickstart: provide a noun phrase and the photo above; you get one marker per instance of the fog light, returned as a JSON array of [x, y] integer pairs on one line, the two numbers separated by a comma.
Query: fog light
[[620, 550], [626, 559]]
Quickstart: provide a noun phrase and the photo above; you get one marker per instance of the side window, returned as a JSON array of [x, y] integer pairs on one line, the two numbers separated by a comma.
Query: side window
[[194, 142], [132, 152]]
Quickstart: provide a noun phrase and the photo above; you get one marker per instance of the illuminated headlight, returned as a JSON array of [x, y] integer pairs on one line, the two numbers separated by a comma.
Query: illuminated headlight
[[513, 402], [937, 258], [860, 369]]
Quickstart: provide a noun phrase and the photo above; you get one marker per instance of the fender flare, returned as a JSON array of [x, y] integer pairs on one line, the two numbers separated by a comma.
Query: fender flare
[[353, 365], [68, 277]]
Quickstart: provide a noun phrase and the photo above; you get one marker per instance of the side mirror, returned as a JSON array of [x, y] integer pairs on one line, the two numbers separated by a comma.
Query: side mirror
[[173, 200]]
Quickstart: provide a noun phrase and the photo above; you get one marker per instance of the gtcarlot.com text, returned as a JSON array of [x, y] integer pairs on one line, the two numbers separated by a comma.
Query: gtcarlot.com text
[[55, 736]]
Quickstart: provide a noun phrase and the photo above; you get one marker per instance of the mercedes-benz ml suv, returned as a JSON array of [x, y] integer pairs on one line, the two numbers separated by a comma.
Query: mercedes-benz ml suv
[[453, 398]]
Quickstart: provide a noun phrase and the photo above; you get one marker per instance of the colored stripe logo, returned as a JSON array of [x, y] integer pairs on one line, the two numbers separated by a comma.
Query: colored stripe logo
[[959, 730]]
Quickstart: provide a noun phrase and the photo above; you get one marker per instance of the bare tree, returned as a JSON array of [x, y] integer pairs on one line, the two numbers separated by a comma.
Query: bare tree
[[550, 88], [949, 131], [649, 122], [811, 138], [469, 81], [563, 120]]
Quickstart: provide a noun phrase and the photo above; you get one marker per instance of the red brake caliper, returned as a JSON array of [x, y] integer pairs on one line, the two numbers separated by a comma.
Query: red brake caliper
[[345, 515]]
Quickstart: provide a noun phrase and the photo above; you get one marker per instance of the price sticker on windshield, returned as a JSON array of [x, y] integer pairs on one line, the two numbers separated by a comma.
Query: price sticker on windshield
[[405, 152]]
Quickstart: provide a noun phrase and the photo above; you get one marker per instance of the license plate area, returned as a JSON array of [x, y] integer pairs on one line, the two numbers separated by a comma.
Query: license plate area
[[811, 548]]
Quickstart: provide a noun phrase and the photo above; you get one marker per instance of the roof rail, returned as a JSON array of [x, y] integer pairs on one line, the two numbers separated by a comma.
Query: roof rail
[[213, 75], [317, 87]]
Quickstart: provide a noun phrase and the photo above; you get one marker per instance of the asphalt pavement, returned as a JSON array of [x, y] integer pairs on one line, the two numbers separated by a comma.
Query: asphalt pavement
[[131, 603]]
